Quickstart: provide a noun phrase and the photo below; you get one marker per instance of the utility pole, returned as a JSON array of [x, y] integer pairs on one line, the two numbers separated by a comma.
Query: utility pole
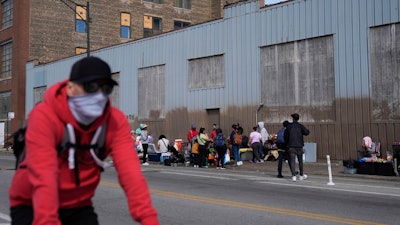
[[87, 29], [87, 22]]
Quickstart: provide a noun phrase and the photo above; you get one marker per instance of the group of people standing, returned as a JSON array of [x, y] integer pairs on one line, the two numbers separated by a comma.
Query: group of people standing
[[201, 142], [290, 144], [289, 141]]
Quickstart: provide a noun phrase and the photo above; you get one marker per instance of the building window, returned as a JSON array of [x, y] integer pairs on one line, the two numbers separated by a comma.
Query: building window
[[38, 94], [304, 69], [182, 4], [6, 60], [7, 13], [155, 1], [80, 19], [125, 25], [384, 72], [5, 104], [152, 26], [206, 73], [80, 50], [180, 24], [152, 106], [114, 96]]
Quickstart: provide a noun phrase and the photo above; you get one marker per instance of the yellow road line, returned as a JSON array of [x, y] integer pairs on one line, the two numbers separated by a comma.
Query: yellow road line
[[314, 216]]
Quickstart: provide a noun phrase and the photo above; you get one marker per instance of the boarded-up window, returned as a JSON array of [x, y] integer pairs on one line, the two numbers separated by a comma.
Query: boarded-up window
[[206, 72], [80, 19], [80, 50], [151, 92], [114, 96], [385, 72], [299, 76], [125, 25], [151, 26], [38, 94]]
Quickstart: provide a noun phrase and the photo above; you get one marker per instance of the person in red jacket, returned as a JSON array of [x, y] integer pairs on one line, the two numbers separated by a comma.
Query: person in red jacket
[[57, 188], [192, 134]]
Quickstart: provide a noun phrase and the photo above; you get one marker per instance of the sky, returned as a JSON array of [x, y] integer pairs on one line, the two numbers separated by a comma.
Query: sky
[[272, 1]]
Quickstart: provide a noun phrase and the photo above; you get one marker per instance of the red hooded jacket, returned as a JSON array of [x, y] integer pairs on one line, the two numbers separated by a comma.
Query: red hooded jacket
[[192, 133], [46, 182]]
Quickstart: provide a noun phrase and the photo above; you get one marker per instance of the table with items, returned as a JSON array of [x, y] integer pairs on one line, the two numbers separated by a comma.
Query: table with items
[[371, 162]]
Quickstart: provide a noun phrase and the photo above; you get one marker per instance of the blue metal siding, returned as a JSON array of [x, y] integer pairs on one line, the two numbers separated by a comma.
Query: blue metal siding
[[394, 10], [238, 37]]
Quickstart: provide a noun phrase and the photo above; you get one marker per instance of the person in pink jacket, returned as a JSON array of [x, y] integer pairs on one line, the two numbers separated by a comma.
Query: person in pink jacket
[[52, 187]]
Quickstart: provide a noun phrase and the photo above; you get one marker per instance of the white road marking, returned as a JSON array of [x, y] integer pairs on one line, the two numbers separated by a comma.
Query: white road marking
[[5, 217], [198, 175], [334, 189]]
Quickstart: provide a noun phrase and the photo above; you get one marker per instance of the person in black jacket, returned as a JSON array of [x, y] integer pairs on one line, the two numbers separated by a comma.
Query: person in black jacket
[[294, 142], [282, 150]]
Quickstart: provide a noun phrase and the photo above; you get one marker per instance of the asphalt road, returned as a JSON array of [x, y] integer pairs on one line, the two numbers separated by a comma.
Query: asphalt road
[[186, 195]]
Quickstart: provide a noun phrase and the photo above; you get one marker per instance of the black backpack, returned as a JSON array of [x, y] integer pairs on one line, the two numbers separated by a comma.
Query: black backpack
[[99, 146], [245, 141], [19, 145]]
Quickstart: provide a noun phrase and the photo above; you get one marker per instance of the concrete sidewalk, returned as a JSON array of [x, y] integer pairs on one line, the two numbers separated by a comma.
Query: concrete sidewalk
[[269, 168]]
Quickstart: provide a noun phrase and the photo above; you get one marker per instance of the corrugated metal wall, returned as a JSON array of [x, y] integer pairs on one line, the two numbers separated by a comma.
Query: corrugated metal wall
[[239, 37]]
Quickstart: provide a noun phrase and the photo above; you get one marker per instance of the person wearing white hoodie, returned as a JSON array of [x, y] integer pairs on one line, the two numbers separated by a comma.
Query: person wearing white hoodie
[[264, 138]]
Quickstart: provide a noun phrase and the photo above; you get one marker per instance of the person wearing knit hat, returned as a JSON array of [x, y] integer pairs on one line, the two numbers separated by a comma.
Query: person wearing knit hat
[[66, 181]]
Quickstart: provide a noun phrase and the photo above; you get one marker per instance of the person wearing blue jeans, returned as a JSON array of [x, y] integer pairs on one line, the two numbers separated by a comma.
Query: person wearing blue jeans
[[236, 147], [282, 150], [236, 154]]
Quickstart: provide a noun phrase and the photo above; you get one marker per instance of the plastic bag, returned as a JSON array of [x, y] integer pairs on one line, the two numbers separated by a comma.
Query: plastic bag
[[227, 158]]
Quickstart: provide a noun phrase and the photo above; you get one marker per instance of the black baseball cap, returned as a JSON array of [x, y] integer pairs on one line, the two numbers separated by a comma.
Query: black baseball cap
[[295, 116], [89, 69]]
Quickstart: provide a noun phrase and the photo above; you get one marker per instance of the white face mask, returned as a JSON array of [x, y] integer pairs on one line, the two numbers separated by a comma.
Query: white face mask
[[86, 108]]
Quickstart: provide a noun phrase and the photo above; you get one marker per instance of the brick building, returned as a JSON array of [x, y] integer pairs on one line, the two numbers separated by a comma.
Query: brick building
[[48, 30]]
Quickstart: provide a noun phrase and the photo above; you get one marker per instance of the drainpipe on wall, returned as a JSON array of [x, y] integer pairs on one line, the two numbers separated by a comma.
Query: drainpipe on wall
[[258, 109]]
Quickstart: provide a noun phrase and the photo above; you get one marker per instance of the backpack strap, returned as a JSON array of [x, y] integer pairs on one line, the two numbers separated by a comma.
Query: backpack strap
[[96, 148], [70, 134], [19, 145], [100, 149], [95, 144]]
